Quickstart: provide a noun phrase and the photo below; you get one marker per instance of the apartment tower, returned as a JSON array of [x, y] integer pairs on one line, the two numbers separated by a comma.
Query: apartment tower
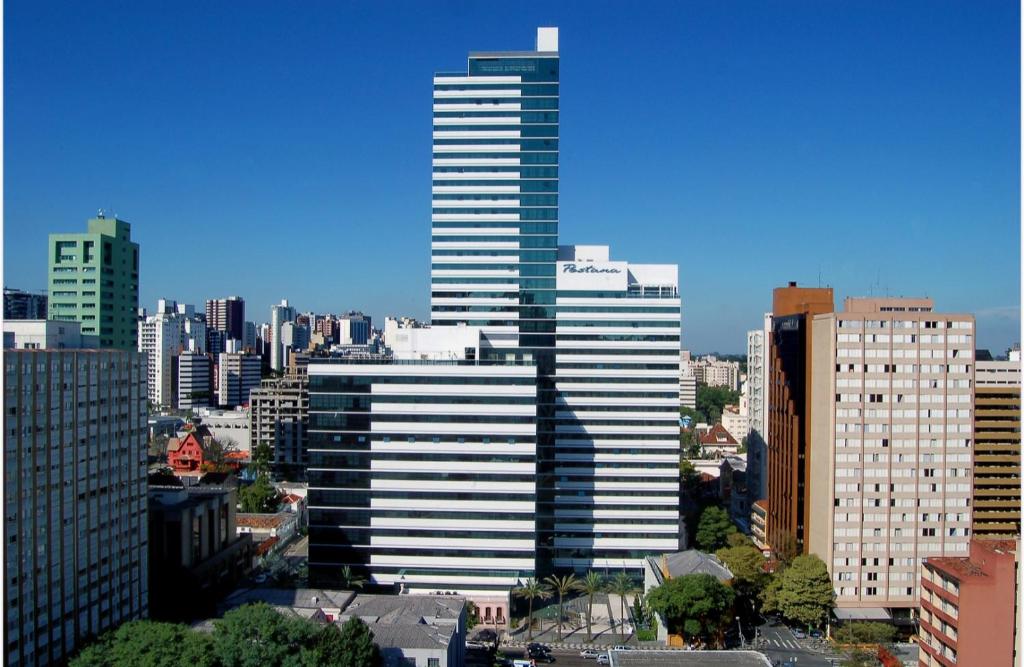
[[891, 439], [75, 538]]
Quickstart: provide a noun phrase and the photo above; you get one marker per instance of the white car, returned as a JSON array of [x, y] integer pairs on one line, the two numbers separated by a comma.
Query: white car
[[589, 653], [603, 659], [621, 647]]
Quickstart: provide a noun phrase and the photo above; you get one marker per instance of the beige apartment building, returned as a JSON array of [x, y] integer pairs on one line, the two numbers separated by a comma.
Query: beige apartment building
[[891, 443]]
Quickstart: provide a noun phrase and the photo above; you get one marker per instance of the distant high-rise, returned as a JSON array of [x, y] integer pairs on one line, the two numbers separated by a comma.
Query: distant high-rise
[[227, 315], [94, 279], [758, 341], [21, 305], [279, 315], [173, 329], [75, 538], [195, 381], [239, 373]]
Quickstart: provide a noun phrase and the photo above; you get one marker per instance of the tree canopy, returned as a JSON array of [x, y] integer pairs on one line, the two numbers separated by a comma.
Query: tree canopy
[[693, 604], [746, 562], [250, 636], [801, 592], [260, 496], [712, 400], [714, 529], [148, 644]]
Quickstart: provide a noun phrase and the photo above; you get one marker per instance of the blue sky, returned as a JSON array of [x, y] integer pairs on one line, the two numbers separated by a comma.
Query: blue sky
[[282, 150]]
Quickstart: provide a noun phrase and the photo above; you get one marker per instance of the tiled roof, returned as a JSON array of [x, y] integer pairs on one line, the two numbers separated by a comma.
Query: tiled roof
[[718, 435], [261, 520]]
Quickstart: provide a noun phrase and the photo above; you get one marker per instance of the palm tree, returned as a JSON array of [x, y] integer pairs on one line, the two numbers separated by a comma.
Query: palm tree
[[561, 585], [350, 580], [589, 585], [531, 590], [622, 585]]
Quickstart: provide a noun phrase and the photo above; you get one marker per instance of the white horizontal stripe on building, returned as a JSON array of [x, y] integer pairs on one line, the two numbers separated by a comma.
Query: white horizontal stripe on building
[[480, 467], [478, 148], [446, 79], [419, 562], [476, 93], [442, 486], [382, 407], [476, 134], [526, 526], [471, 217], [474, 189], [477, 175], [482, 505], [451, 543], [475, 162], [440, 370], [480, 106], [477, 120]]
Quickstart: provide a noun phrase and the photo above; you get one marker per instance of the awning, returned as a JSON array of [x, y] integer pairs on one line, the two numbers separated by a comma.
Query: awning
[[862, 614]]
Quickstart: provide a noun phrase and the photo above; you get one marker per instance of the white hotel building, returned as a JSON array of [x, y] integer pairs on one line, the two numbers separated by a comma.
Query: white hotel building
[[534, 427]]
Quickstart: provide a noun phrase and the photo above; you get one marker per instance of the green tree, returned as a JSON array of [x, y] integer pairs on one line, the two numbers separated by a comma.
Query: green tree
[[747, 566], [350, 580], [255, 635], [690, 477], [622, 585], [472, 615], [262, 456], [865, 632], [787, 549], [861, 658], [801, 592], [711, 401], [148, 644], [692, 604], [589, 585], [531, 590], [360, 651], [561, 586], [260, 496], [714, 529]]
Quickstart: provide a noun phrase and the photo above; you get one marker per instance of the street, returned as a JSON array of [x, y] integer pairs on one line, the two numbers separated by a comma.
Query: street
[[779, 644]]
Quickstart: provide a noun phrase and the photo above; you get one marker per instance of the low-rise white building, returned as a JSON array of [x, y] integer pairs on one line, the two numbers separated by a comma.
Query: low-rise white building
[[42, 335]]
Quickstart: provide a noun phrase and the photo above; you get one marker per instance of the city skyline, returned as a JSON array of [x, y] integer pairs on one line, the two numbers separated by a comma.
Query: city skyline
[[886, 146]]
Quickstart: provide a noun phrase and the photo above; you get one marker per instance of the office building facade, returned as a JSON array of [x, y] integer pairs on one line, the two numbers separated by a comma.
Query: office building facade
[[757, 409], [94, 280], [422, 473], [75, 555], [616, 489]]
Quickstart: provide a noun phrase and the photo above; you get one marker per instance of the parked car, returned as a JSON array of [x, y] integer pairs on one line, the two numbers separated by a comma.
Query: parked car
[[622, 647], [589, 653], [534, 646], [798, 633], [534, 651], [816, 634], [476, 645], [603, 659]]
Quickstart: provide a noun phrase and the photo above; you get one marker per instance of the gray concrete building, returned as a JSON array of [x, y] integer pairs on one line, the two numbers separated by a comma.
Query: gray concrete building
[[75, 538], [279, 418]]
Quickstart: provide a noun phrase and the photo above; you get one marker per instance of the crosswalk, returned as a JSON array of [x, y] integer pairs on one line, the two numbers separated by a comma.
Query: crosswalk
[[783, 643]]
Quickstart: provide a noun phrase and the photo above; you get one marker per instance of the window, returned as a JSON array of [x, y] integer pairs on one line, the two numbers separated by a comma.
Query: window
[[433, 662]]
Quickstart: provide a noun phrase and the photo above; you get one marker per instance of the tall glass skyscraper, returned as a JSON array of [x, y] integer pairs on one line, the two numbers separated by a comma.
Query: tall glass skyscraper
[[495, 196]]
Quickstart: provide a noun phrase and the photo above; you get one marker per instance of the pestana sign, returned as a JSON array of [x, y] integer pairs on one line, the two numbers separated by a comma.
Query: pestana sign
[[597, 276]]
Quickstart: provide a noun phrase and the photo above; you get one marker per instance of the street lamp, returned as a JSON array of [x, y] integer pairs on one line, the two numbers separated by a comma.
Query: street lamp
[[743, 641]]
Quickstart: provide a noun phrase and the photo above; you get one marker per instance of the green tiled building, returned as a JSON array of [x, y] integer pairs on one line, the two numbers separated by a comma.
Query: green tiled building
[[94, 279]]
